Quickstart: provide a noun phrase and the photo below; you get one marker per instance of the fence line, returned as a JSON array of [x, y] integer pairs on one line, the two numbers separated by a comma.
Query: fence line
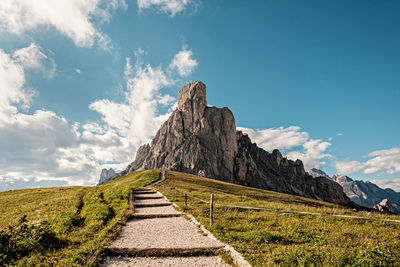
[[282, 212]]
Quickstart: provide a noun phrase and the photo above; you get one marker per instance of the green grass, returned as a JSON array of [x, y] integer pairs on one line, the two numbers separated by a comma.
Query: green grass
[[64, 226], [274, 238], [72, 226]]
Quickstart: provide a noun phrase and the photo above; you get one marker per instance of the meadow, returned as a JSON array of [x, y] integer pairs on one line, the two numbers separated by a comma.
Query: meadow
[[73, 226], [66, 226], [274, 236]]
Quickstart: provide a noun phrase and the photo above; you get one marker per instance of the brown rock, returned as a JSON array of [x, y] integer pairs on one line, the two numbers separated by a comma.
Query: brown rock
[[203, 140]]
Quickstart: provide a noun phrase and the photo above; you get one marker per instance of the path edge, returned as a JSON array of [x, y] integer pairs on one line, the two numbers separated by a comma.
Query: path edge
[[237, 258]]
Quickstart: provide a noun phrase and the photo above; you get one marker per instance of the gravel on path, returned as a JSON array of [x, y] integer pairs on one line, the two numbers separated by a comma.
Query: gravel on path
[[150, 201], [161, 233], [200, 261], [156, 210]]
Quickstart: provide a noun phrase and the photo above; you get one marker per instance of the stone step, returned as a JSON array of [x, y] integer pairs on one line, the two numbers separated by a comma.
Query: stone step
[[147, 197], [146, 216], [144, 192], [151, 200], [142, 189], [161, 204], [162, 252], [165, 261], [155, 210]]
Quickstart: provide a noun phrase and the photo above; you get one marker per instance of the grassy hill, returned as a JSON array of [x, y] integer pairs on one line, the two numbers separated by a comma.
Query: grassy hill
[[274, 236], [64, 226], [72, 225]]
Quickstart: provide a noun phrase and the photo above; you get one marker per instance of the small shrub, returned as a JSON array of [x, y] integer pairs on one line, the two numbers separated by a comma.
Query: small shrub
[[25, 238]]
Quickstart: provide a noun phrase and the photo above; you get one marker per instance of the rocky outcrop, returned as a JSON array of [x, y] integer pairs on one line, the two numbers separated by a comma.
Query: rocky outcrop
[[365, 194], [105, 175], [195, 137], [385, 206], [203, 140], [316, 173]]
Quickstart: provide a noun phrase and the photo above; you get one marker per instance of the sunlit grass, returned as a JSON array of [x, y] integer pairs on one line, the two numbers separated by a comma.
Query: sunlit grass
[[86, 218], [273, 237]]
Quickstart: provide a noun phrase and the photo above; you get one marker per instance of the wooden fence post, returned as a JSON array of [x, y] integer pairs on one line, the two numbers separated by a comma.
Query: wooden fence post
[[211, 209], [185, 200]]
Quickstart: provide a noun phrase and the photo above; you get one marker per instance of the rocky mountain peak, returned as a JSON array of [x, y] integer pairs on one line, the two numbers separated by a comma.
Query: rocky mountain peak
[[203, 140], [192, 99]]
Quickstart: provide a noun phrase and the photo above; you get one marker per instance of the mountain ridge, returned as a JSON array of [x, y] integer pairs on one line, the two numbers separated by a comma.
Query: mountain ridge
[[203, 140], [365, 194]]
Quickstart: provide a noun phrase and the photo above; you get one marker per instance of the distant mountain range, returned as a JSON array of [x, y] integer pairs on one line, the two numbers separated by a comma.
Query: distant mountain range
[[365, 194]]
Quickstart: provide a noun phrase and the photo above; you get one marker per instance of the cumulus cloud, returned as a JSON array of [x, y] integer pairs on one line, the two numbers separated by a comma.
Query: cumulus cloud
[[42, 147], [393, 184], [296, 143], [12, 77], [170, 7], [387, 160], [346, 167], [314, 152], [139, 111], [184, 62], [73, 19], [277, 138]]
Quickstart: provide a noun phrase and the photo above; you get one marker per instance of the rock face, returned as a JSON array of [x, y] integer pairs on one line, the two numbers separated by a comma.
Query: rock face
[[365, 194], [106, 174], [196, 137], [203, 140], [316, 173], [385, 206]]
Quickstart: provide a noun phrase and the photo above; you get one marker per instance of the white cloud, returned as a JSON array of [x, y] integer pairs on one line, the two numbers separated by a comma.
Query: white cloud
[[72, 18], [393, 184], [346, 167], [277, 138], [381, 160], [12, 77], [184, 63], [32, 57], [314, 151], [171, 7], [310, 151], [139, 111], [42, 147]]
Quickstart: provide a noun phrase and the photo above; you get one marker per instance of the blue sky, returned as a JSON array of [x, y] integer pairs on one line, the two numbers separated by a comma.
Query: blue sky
[[84, 83]]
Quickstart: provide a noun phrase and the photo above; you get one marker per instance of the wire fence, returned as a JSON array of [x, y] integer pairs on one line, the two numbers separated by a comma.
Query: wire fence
[[175, 193]]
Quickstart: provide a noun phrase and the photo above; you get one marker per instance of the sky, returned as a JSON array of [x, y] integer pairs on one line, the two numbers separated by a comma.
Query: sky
[[83, 83]]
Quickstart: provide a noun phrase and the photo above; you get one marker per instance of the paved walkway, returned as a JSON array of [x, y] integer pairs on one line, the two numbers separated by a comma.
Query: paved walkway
[[159, 235]]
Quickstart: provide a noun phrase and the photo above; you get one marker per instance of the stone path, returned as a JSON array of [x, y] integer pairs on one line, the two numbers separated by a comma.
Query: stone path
[[159, 235]]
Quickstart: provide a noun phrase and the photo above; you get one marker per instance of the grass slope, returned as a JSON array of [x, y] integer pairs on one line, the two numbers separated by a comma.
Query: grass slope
[[274, 237], [64, 226]]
